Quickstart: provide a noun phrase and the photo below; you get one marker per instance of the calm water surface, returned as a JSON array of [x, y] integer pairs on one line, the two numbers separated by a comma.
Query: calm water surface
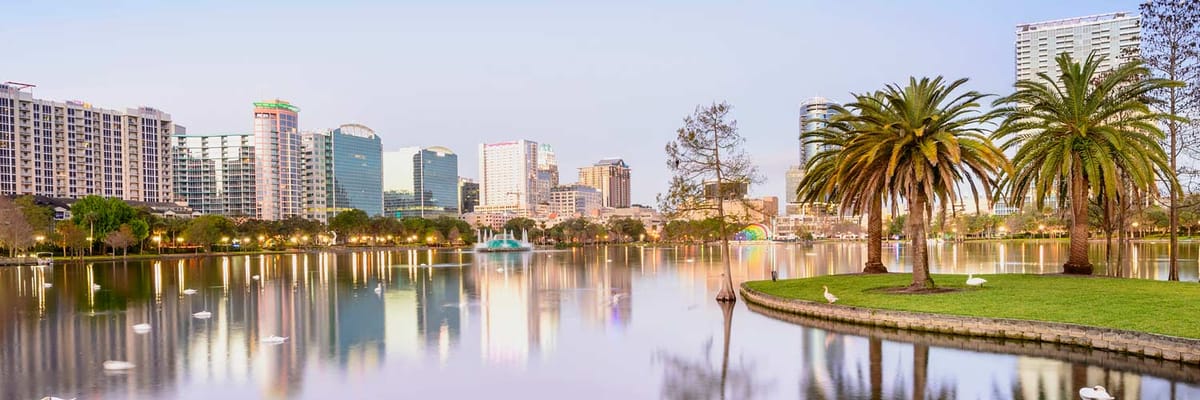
[[617, 322]]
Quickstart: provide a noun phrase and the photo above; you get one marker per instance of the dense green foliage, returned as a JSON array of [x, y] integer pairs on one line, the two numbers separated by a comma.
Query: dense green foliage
[[1131, 304]]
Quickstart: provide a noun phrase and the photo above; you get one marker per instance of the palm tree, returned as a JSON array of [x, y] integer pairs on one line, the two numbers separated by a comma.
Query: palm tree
[[1082, 132], [927, 140], [825, 173]]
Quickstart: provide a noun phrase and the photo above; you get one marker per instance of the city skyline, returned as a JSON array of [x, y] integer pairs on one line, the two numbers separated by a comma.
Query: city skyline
[[512, 81]]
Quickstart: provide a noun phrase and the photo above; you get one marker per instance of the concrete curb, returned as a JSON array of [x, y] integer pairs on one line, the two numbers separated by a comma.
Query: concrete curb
[[1150, 345]]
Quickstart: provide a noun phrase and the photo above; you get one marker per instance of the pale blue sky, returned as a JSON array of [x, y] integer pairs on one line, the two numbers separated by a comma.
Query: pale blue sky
[[594, 80]]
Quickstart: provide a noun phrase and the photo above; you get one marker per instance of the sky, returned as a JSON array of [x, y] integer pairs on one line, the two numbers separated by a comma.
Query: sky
[[593, 79]]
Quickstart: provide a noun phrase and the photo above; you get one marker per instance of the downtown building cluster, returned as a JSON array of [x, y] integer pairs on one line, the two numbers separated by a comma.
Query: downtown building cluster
[[278, 170]]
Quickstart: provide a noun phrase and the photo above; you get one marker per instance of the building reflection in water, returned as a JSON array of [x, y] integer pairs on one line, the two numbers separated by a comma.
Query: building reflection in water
[[529, 312]]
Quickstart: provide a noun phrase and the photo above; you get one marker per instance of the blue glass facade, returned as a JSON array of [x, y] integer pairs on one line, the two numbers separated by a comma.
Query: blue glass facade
[[435, 180], [356, 179]]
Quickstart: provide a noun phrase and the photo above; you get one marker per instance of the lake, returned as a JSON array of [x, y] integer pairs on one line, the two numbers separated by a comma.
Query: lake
[[596, 323]]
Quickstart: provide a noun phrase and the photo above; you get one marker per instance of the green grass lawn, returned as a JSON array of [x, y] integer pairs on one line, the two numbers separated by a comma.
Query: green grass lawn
[[1168, 308]]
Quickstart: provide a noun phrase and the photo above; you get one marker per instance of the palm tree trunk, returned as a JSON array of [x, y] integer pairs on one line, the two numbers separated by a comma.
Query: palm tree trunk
[[875, 237], [1077, 261], [916, 230]]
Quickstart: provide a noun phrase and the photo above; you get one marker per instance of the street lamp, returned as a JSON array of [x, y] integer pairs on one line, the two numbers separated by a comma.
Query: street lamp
[[157, 243]]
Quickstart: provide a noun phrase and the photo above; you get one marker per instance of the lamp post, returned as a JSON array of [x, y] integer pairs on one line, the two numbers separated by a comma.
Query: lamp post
[[157, 243]]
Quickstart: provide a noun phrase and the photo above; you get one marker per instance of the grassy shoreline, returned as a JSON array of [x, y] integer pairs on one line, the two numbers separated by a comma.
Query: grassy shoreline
[[1166, 308]]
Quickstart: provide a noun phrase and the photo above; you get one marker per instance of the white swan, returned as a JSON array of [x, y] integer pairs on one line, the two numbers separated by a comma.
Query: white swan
[[690, 260], [274, 339], [47, 285], [55, 398], [141, 328], [829, 296], [202, 315], [1095, 393], [608, 260], [189, 291], [95, 287], [616, 298], [254, 277], [973, 281], [111, 365], [379, 288]]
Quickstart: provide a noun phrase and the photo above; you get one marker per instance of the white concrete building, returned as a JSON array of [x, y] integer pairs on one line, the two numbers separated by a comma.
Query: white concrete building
[[1114, 35], [575, 200], [508, 176], [72, 149]]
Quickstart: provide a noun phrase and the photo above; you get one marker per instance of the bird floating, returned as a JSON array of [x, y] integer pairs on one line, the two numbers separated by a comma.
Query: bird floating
[[379, 288], [47, 285], [95, 287], [111, 365], [189, 291], [1095, 393], [141, 328], [203, 315], [254, 277], [274, 339]]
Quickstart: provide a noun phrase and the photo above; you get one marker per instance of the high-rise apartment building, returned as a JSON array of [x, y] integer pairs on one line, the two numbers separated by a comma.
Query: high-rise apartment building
[[791, 181], [277, 155], [611, 177], [1115, 36], [343, 170], [421, 182], [72, 149], [468, 195], [577, 200], [214, 173], [814, 114], [508, 176]]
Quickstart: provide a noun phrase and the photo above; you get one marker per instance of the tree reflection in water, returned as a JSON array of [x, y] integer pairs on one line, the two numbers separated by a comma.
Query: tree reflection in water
[[684, 378]]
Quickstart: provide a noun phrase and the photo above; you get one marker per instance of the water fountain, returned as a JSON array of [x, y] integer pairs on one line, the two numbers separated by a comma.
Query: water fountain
[[503, 242]]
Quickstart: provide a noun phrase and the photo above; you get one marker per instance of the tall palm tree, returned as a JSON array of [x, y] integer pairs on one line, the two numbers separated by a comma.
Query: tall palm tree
[[825, 172], [1081, 132], [928, 140]]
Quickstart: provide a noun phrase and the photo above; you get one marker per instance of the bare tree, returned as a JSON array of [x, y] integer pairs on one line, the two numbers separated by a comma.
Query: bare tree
[[707, 154], [121, 238], [15, 232], [1171, 49]]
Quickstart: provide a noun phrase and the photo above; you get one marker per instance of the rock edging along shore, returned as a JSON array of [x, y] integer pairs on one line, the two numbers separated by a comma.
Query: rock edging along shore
[[1145, 344]]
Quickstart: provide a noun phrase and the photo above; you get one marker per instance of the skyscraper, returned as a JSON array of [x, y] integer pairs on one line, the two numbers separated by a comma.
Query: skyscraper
[[1113, 35], [214, 173], [343, 171], [277, 160], [421, 182], [547, 173], [468, 195], [611, 177], [814, 114], [508, 176], [72, 149]]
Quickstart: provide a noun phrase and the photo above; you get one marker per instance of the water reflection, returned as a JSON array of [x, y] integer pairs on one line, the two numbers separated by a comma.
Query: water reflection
[[544, 323]]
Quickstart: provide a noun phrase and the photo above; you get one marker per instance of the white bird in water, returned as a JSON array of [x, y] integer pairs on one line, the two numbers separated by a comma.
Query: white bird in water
[[141, 328], [829, 296], [111, 365], [254, 277], [274, 339], [616, 298], [973, 281], [1095, 393], [55, 398], [379, 288], [202, 315], [690, 260], [189, 291], [47, 285], [95, 287], [608, 260]]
